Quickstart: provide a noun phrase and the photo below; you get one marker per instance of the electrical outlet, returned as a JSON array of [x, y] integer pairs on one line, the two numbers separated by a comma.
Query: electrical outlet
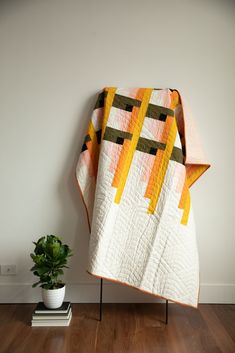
[[8, 270]]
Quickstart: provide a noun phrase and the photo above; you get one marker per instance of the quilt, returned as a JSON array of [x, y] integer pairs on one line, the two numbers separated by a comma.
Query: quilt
[[140, 156]]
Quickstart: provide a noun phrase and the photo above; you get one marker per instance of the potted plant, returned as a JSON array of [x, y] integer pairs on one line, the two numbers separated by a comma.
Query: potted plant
[[50, 257]]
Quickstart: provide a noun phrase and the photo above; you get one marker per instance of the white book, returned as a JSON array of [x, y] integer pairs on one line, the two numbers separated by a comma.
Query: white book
[[40, 317], [52, 322]]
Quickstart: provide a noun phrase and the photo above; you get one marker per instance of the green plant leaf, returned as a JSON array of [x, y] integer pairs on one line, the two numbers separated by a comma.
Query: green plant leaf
[[42, 270], [50, 257], [35, 284], [40, 244]]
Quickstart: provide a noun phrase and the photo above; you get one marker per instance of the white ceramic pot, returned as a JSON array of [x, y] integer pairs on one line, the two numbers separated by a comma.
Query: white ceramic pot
[[53, 298]]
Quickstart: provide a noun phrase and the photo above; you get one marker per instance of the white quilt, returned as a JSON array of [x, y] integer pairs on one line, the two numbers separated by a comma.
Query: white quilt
[[140, 156]]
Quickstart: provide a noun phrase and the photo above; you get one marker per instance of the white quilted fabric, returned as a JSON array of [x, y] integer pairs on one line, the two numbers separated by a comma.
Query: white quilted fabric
[[153, 251]]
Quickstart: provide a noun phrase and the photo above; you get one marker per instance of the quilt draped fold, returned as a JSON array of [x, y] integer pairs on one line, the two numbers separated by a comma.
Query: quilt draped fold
[[140, 156]]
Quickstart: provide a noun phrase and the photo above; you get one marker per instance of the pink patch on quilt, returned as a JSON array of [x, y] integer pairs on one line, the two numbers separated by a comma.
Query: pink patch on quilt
[[180, 173], [114, 151], [119, 119], [164, 98], [194, 151], [147, 162], [86, 160], [128, 92], [97, 117], [124, 120], [161, 97], [155, 128]]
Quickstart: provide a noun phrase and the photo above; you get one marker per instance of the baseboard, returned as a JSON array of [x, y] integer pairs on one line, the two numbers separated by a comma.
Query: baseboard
[[112, 293]]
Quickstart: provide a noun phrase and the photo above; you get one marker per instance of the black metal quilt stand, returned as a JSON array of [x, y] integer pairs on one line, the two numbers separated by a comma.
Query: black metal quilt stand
[[101, 303]]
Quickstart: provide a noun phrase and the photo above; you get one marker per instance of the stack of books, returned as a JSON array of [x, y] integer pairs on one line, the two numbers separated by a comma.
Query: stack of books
[[42, 316]]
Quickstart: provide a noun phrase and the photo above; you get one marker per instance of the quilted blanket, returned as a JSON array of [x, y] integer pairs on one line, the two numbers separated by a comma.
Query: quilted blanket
[[140, 156]]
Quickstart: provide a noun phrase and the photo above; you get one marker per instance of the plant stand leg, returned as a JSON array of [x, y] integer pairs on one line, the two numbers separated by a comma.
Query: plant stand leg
[[166, 317], [101, 303], [101, 294]]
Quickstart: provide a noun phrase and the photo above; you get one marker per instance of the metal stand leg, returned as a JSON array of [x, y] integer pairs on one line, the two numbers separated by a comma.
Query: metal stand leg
[[101, 293], [166, 318], [101, 303]]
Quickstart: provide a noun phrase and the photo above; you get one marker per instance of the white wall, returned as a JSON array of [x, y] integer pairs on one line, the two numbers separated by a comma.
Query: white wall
[[55, 56]]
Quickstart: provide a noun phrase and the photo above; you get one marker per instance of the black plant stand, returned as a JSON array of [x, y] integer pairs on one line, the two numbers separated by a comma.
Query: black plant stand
[[101, 303], [101, 295]]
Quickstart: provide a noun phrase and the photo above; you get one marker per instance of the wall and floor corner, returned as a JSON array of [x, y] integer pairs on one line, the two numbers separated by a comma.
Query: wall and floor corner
[[55, 56]]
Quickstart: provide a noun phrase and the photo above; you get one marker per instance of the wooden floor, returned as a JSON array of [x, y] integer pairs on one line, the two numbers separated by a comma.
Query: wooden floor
[[125, 328]]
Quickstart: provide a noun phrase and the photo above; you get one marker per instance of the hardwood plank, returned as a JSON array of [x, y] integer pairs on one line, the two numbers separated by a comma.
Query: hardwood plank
[[226, 315], [180, 330], [84, 327], [216, 328], [12, 327], [125, 328], [151, 331], [106, 333], [28, 338], [193, 331]]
